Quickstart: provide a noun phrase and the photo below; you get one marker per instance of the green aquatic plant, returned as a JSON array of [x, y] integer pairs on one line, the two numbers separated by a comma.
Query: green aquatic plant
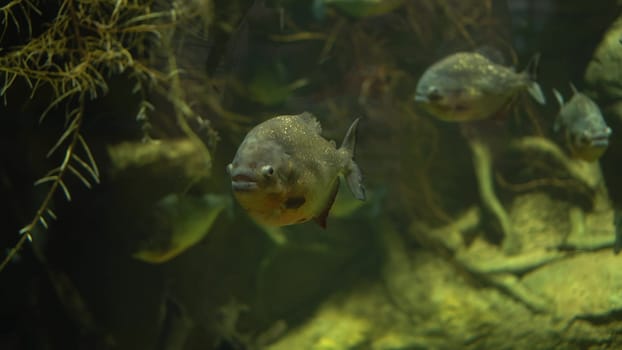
[[180, 222], [72, 54]]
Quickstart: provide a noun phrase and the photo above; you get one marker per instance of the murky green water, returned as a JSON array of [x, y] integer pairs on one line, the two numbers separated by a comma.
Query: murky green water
[[489, 220]]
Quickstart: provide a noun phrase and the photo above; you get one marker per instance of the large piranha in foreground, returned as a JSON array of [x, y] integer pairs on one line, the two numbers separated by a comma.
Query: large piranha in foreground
[[285, 172]]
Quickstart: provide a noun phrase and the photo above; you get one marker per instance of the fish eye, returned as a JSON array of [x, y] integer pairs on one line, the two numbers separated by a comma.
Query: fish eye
[[229, 168], [267, 170]]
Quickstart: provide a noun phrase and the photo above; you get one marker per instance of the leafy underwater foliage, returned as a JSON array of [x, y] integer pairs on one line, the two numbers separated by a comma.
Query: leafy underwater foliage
[[66, 55]]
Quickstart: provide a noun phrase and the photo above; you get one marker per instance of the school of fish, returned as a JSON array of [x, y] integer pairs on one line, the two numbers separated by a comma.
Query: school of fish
[[285, 172]]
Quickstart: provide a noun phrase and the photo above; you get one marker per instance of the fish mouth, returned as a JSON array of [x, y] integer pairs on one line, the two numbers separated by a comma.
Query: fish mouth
[[601, 139], [243, 182], [600, 142], [421, 98]]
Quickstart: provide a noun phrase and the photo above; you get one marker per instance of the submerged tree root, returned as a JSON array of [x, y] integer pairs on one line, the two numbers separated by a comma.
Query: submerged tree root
[[482, 162]]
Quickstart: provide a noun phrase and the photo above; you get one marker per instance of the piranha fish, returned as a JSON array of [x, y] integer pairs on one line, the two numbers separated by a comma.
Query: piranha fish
[[582, 126], [285, 172], [468, 86]]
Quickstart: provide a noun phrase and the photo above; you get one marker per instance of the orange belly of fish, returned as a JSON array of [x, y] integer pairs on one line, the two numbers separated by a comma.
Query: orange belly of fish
[[269, 209]]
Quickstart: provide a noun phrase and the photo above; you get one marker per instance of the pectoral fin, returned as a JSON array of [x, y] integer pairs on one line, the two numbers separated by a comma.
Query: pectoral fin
[[354, 179]]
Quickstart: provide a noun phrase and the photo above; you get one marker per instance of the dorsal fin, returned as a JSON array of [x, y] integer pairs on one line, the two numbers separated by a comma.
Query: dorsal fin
[[492, 54], [349, 141], [558, 97], [309, 119]]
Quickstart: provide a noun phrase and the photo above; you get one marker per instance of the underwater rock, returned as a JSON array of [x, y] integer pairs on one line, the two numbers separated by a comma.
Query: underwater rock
[[333, 331], [550, 228], [535, 163], [424, 303], [542, 220], [163, 218], [173, 159], [585, 286], [604, 72], [603, 78], [484, 261]]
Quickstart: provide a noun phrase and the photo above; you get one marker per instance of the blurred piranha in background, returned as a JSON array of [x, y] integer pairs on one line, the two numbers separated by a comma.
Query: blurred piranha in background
[[285, 172], [178, 222], [583, 128], [467, 86]]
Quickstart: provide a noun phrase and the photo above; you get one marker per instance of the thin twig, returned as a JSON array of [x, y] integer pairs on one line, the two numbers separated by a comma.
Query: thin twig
[[58, 182]]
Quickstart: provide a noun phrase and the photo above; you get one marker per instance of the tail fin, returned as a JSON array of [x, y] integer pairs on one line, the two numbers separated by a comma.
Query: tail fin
[[532, 85], [354, 177]]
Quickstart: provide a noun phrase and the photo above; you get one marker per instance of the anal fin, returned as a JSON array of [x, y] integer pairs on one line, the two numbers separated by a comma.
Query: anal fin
[[321, 218]]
